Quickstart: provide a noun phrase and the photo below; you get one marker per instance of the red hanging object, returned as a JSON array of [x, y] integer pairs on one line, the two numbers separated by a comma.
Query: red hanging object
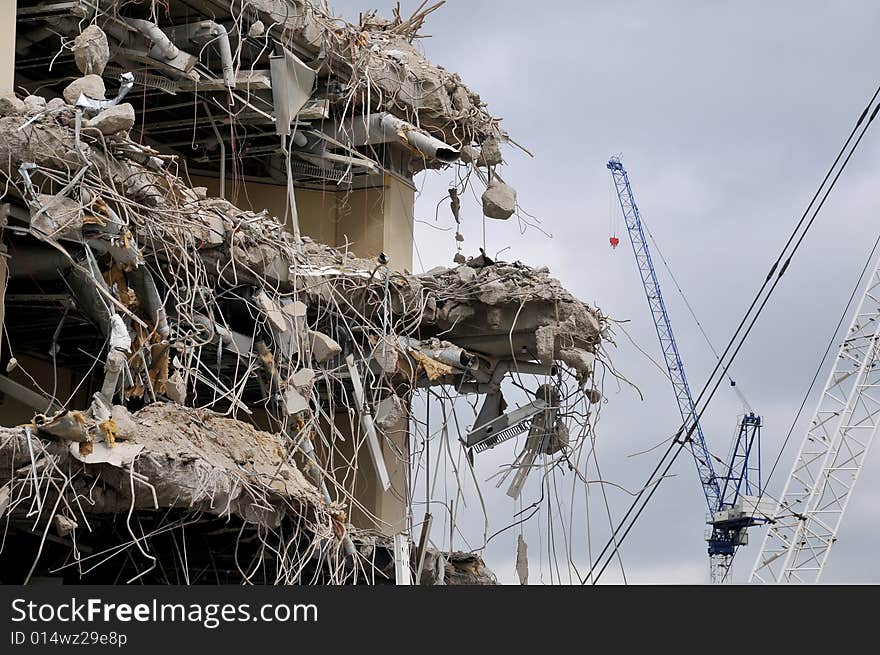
[[614, 242]]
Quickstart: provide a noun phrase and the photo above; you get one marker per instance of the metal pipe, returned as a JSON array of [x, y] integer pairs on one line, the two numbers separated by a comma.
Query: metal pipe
[[411, 135], [156, 35], [203, 32], [222, 35], [449, 354]]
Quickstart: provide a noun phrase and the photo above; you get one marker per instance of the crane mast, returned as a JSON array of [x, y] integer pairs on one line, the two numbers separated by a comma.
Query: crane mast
[[808, 516], [729, 499]]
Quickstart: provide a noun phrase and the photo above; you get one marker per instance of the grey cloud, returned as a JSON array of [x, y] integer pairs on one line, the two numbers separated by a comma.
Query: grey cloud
[[727, 117]]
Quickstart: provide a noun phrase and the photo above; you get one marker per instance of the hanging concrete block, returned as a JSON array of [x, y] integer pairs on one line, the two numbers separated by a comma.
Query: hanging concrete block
[[176, 388], [91, 51], [385, 354], [64, 525], [522, 560], [271, 310], [499, 200], [294, 401], [390, 412], [303, 379], [323, 347], [490, 153]]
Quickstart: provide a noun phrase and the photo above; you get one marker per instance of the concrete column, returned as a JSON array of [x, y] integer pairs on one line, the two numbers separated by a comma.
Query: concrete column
[[7, 44], [397, 225]]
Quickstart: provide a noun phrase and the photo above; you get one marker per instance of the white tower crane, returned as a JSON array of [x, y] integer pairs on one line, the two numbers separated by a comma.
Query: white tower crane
[[806, 521]]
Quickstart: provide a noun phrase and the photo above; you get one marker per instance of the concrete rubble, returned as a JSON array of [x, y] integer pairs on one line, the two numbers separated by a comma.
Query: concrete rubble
[[212, 349]]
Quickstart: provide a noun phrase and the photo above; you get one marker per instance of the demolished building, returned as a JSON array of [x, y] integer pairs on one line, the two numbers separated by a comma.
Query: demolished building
[[212, 334]]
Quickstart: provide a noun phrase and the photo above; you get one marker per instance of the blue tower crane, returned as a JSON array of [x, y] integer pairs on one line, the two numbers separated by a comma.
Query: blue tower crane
[[732, 497]]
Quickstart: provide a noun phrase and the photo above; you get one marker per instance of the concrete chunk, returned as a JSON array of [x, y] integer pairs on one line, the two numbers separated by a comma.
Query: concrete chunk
[[466, 274], [118, 118], [323, 347], [55, 105], [294, 402], [499, 200], [34, 104], [64, 525], [91, 50], [303, 379], [126, 428], [10, 105], [490, 153], [271, 310], [91, 85], [469, 154]]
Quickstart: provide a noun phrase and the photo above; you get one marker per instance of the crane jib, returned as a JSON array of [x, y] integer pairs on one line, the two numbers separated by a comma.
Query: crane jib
[[668, 346]]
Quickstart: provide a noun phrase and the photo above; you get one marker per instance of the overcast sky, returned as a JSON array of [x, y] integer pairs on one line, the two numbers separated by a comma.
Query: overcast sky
[[727, 116]]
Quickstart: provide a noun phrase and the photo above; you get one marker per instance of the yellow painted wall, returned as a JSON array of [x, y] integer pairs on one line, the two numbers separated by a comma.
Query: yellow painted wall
[[398, 226], [371, 221], [360, 218]]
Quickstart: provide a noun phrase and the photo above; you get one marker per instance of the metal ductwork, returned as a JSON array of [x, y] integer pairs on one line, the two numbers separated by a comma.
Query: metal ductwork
[[393, 127]]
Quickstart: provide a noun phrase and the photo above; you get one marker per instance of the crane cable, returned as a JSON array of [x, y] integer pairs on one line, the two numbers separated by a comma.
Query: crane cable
[[651, 486], [745, 403]]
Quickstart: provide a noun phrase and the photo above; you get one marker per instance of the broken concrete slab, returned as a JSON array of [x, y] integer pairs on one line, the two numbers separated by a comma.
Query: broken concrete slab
[[193, 459]]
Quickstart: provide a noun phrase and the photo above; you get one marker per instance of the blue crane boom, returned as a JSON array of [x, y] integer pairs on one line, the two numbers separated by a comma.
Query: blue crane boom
[[733, 497], [671, 356]]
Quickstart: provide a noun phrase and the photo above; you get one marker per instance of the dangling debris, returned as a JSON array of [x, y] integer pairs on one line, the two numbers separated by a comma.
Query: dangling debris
[[499, 200], [522, 560]]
